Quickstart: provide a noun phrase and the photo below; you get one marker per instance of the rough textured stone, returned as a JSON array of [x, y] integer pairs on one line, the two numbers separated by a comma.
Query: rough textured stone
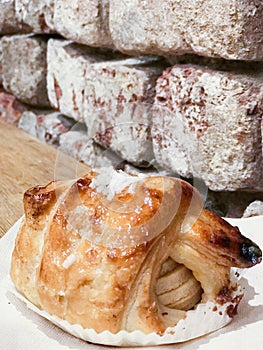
[[9, 23], [207, 124], [80, 146], [10, 109], [253, 209], [112, 95], [118, 99], [38, 15], [229, 28], [28, 122], [1, 58], [85, 22], [46, 126], [24, 67], [67, 65]]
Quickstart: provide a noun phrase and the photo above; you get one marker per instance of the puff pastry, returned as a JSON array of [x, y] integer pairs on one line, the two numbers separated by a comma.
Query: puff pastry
[[138, 259]]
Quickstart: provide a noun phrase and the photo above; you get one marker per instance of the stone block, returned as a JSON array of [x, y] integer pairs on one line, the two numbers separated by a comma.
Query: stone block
[[85, 22], [9, 22], [24, 68], [1, 58], [67, 65], [81, 147], [37, 15], [45, 125], [231, 29], [118, 100], [207, 124], [112, 94], [10, 109], [254, 209]]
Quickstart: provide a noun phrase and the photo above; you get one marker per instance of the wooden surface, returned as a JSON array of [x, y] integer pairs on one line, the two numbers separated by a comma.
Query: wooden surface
[[26, 162]]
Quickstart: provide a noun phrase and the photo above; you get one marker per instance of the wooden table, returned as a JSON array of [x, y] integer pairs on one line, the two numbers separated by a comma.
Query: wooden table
[[26, 162]]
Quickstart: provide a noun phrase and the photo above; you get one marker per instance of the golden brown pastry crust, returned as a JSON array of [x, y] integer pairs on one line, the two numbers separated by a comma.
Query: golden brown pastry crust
[[64, 263]]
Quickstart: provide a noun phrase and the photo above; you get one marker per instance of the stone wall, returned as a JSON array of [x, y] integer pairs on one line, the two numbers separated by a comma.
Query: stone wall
[[170, 86]]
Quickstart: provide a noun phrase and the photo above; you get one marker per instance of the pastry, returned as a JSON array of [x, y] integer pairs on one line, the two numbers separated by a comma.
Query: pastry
[[118, 252]]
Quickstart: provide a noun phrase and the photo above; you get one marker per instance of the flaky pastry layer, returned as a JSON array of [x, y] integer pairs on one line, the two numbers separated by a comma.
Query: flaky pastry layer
[[138, 261]]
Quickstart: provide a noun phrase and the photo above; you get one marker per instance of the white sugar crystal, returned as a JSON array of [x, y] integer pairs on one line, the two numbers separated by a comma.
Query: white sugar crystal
[[109, 181], [69, 261]]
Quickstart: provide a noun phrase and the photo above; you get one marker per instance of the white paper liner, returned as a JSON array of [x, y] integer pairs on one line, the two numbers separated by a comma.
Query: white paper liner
[[201, 321], [198, 322]]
